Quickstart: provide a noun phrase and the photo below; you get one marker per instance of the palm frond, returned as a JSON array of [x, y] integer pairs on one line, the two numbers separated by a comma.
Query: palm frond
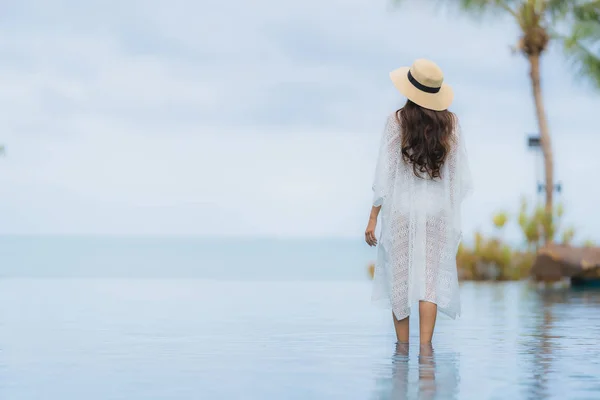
[[486, 6], [588, 11], [584, 10], [587, 64], [582, 45], [479, 7], [558, 9], [582, 49]]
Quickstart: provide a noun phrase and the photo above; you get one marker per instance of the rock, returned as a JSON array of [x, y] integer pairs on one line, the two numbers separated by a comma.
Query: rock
[[555, 262]]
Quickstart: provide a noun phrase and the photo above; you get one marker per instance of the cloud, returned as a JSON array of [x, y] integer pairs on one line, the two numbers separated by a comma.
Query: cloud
[[254, 119]]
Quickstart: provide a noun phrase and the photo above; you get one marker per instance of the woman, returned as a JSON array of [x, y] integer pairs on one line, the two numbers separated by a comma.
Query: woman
[[421, 178]]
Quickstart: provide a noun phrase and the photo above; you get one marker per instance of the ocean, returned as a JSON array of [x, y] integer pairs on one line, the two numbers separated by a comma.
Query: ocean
[[197, 318]]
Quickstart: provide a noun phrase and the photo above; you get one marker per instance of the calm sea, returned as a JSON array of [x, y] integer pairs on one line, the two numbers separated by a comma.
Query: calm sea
[[181, 257], [183, 318]]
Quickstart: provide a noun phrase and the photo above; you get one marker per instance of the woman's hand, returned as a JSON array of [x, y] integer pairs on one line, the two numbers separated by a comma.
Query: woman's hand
[[370, 232]]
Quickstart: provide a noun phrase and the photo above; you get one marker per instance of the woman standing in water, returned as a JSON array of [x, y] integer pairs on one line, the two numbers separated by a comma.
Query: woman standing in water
[[421, 178]]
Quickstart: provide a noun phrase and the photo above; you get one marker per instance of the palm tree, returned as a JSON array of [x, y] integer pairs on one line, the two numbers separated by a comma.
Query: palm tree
[[574, 24]]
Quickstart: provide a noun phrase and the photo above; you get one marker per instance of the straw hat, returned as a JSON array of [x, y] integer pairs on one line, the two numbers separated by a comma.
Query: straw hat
[[422, 83]]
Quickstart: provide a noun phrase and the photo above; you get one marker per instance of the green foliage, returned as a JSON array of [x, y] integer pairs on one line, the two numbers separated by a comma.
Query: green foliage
[[480, 6], [500, 220], [589, 243], [568, 235], [540, 226], [492, 259], [560, 210]]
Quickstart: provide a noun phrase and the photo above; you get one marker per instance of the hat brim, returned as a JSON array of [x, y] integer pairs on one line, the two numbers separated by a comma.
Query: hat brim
[[439, 101]]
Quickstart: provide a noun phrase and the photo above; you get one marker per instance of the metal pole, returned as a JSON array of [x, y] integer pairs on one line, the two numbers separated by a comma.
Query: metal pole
[[534, 143]]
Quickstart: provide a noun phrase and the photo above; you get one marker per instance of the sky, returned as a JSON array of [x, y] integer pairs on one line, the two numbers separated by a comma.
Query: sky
[[260, 118]]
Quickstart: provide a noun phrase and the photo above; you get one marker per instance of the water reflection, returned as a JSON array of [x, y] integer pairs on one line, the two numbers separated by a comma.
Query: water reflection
[[541, 349], [569, 295], [513, 341], [436, 375], [427, 382], [400, 368], [550, 328]]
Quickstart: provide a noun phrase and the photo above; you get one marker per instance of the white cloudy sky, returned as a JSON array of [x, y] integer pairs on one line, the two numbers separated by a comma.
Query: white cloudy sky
[[257, 118]]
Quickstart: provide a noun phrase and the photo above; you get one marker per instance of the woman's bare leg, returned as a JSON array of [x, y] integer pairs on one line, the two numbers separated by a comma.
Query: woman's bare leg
[[427, 316], [401, 327]]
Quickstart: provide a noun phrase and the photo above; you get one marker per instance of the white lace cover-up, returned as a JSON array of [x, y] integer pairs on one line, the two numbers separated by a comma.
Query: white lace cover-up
[[420, 227]]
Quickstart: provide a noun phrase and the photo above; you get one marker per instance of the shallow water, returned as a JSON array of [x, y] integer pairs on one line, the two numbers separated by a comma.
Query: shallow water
[[200, 339]]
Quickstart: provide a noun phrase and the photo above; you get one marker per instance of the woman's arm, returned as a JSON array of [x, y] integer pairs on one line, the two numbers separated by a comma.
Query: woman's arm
[[370, 231], [387, 159]]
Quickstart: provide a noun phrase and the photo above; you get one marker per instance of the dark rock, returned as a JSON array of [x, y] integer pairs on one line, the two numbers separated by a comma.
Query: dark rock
[[555, 262]]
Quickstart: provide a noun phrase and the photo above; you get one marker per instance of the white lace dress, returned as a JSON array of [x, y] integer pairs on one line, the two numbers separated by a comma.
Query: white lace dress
[[420, 227]]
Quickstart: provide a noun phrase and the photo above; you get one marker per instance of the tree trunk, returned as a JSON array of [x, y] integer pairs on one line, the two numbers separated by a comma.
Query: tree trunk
[[534, 61]]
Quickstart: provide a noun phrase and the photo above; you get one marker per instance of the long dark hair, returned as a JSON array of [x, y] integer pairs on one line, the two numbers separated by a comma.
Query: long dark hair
[[427, 137]]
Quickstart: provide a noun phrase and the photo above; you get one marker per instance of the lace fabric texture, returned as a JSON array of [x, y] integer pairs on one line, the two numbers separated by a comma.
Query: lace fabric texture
[[420, 227]]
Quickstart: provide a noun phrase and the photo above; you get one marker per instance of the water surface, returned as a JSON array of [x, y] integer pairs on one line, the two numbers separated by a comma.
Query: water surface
[[203, 339], [191, 318]]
